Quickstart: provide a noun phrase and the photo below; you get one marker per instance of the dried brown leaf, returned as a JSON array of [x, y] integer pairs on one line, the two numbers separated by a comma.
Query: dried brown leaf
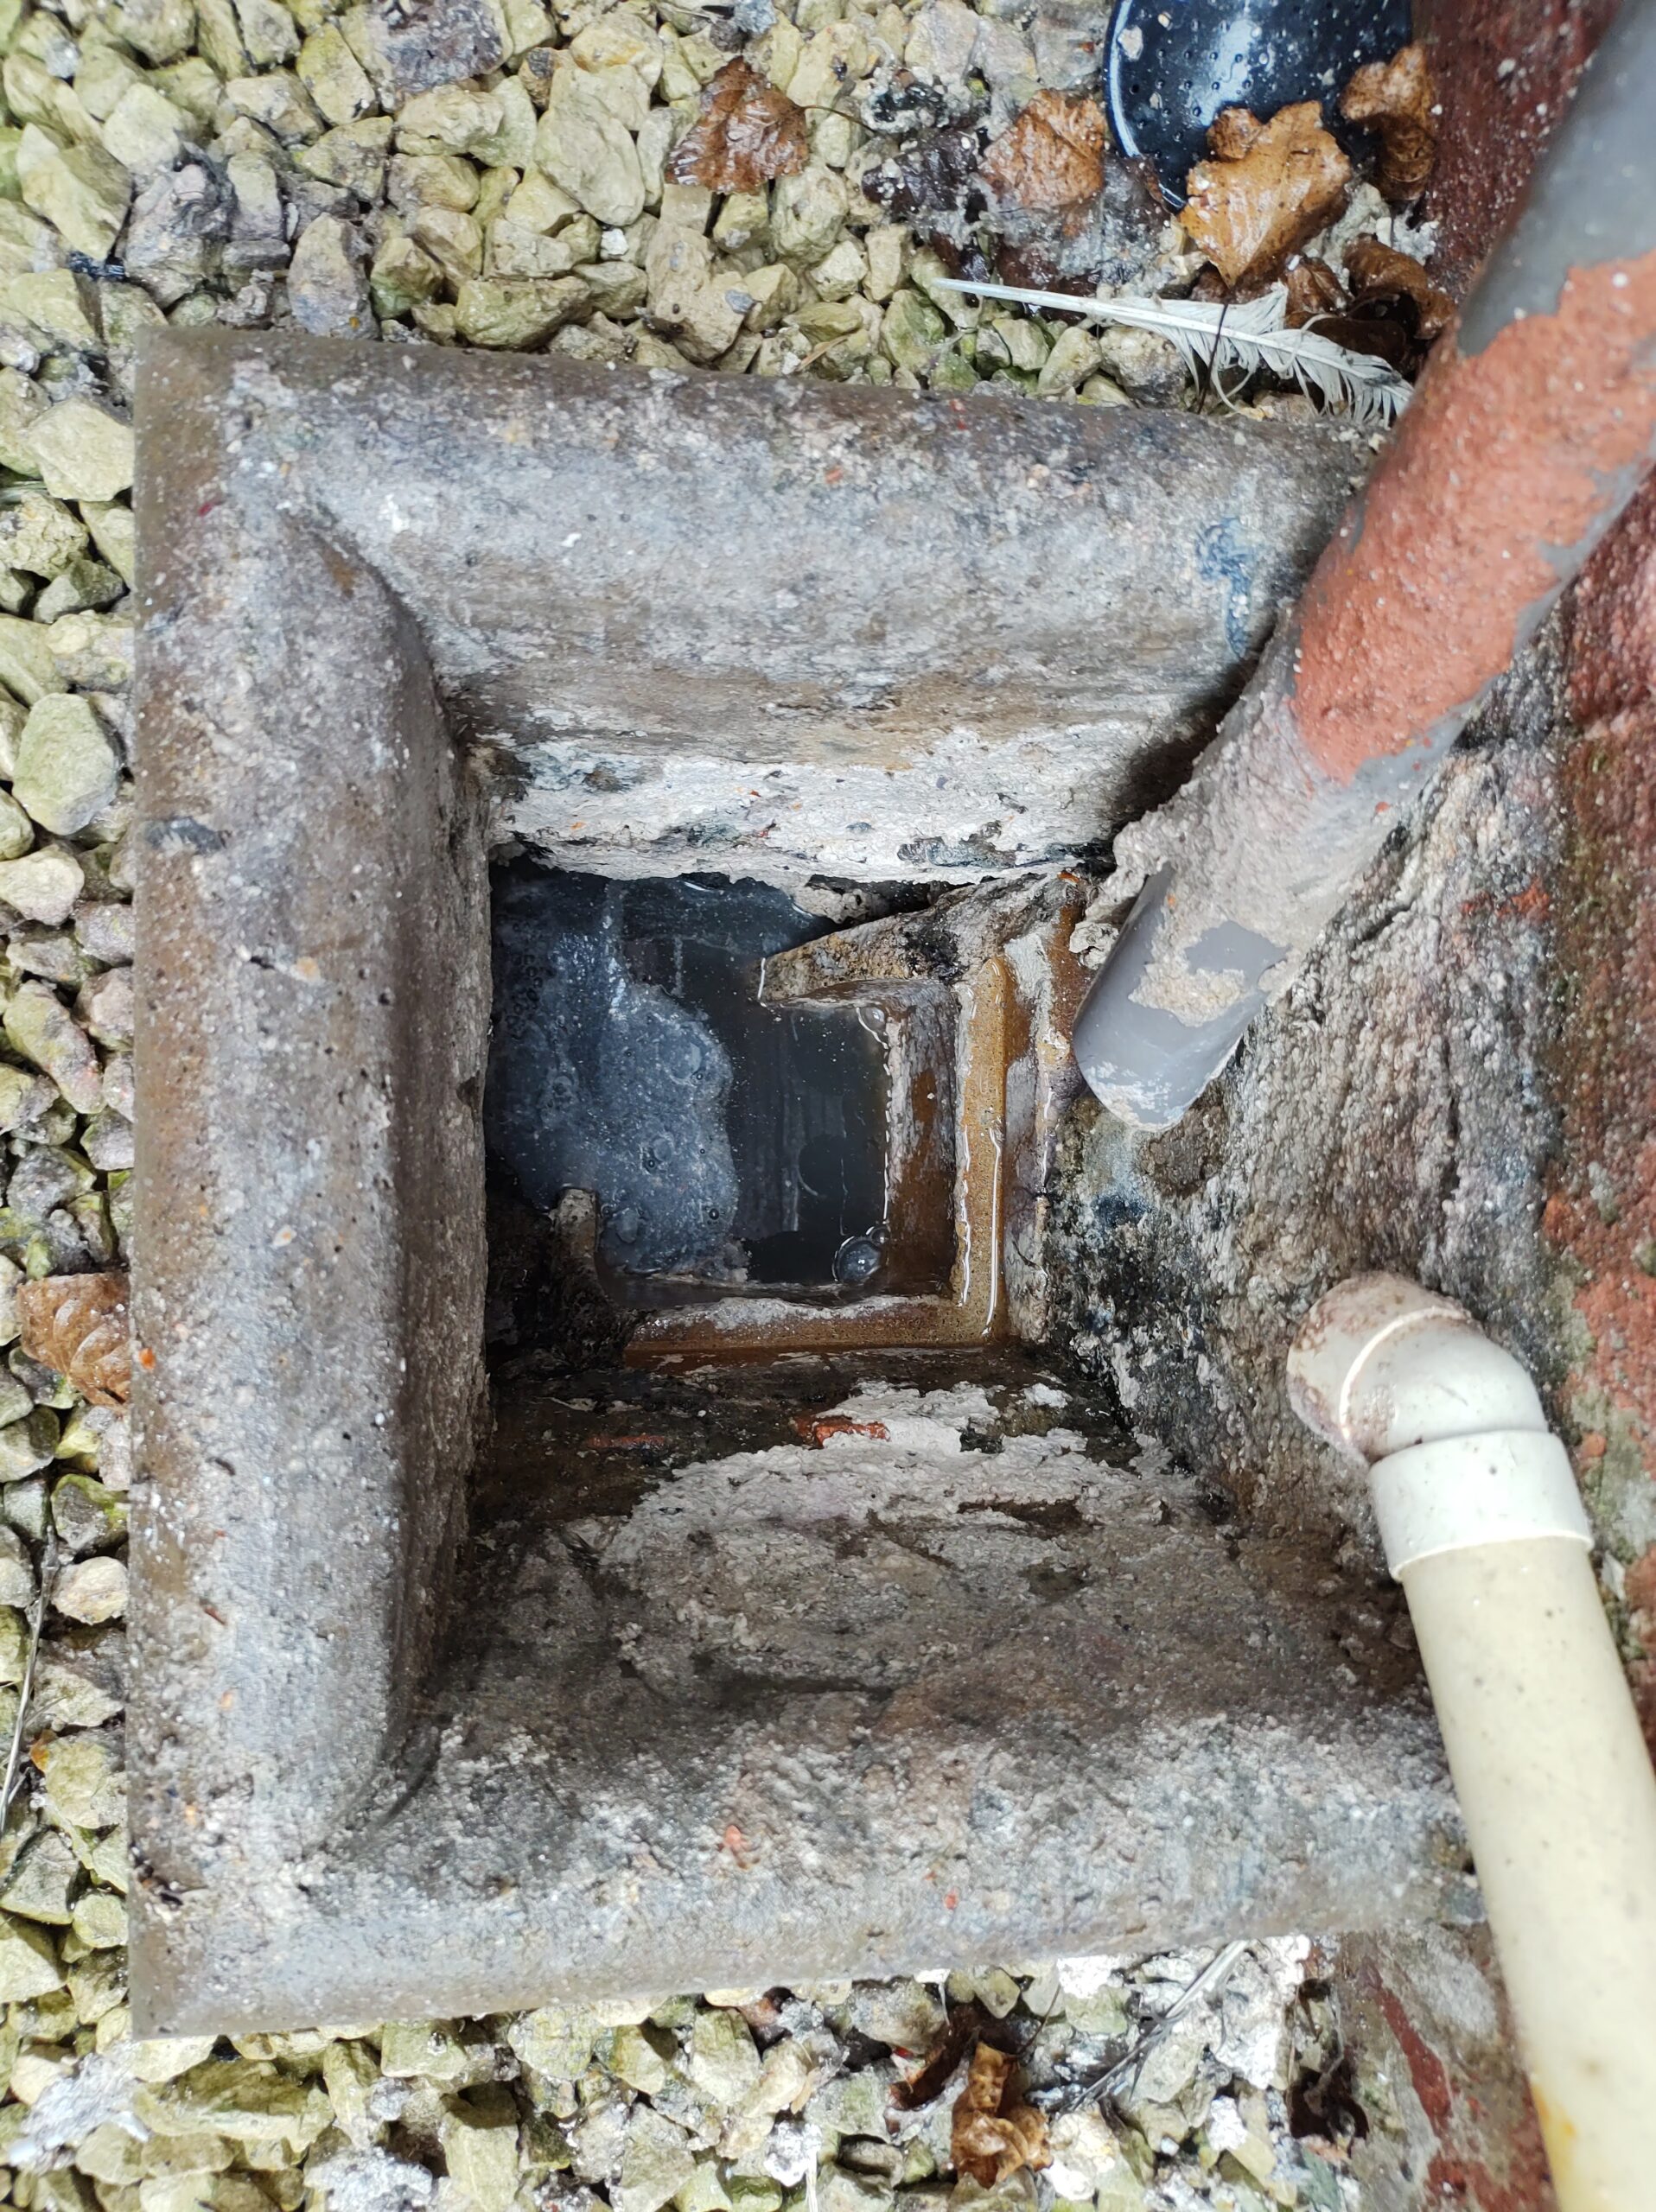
[[747, 132], [1268, 187], [1399, 99], [1313, 291], [76, 1325], [1380, 272], [1051, 161], [992, 2136]]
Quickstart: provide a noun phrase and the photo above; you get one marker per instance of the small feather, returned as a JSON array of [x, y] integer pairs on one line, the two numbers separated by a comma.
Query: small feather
[[1253, 334]]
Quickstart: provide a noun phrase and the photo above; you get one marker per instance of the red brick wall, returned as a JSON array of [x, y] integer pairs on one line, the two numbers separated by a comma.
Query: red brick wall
[[1495, 121]]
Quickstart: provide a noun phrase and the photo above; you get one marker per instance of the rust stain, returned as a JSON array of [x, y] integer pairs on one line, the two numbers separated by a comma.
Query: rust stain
[[736, 1844], [1560, 2134], [819, 1431], [1613, 619], [972, 1311], [1502, 456], [1454, 2175], [1532, 905], [1426, 2069]]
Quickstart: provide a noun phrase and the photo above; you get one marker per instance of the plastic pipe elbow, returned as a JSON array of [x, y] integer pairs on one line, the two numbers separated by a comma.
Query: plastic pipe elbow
[[1481, 1524], [1404, 1382]]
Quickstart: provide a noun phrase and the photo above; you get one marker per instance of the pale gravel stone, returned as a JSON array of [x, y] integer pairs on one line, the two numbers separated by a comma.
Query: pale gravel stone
[[98, 1916], [479, 2135], [28, 665], [81, 191], [279, 101], [83, 451], [22, 405], [352, 156], [1148, 367], [327, 286], [112, 532], [16, 831], [333, 77], [28, 1445], [57, 303], [117, 1091], [581, 145], [104, 1006], [40, 535], [458, 117], [656, 2162], [43, 1880], [28, 1961], [66, 768], [145, 131], [42, 886], [807, 211], [92, 1590], [41, 1029], [17, 1583], [516, 312], [92, 651], [403, 276]]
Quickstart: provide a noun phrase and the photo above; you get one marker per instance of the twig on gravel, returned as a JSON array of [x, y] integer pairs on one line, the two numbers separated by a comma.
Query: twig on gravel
[[1212, 1977], [36, 1623]]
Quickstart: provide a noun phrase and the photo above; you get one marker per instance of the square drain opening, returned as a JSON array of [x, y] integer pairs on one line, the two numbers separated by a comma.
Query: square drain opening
[[717, 1124], [848, 1654]]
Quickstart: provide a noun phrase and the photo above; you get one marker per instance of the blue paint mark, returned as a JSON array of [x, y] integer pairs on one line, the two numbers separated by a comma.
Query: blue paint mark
[[1224, 556]]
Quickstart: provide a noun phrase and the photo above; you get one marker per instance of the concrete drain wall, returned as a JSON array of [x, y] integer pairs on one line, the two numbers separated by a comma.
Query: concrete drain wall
[[854, 1661]]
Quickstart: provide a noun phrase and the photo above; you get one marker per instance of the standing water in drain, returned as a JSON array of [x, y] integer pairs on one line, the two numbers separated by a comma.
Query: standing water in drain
[[631, 1057]]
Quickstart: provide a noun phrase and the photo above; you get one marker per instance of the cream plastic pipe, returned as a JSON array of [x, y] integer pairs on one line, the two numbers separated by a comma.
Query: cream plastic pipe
[[1482, 1525]]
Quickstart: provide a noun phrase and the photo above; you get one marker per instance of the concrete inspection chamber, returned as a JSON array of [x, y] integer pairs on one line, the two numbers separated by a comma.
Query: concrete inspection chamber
[[500, 1636]]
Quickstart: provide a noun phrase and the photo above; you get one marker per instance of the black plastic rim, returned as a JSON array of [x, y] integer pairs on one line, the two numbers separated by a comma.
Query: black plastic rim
[[1172, 65]]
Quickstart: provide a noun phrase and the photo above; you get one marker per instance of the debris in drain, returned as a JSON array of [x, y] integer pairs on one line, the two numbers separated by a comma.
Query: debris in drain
[[633, 1056], [1399, 100], [1266, 189], [1381, 278], [1227, 343], [993, 2135], [1170, 73]]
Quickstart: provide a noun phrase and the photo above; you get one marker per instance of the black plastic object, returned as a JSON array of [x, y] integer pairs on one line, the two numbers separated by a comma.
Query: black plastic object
[[1174, 64]]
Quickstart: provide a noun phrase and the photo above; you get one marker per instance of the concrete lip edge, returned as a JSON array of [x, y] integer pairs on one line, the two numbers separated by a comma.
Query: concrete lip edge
[[292, 1546]]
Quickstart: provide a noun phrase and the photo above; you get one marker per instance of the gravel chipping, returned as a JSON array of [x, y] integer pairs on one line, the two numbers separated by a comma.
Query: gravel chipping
[[495, 173]]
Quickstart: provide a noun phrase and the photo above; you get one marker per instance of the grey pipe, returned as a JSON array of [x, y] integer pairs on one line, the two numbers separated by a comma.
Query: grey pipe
[[1532, 428]]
